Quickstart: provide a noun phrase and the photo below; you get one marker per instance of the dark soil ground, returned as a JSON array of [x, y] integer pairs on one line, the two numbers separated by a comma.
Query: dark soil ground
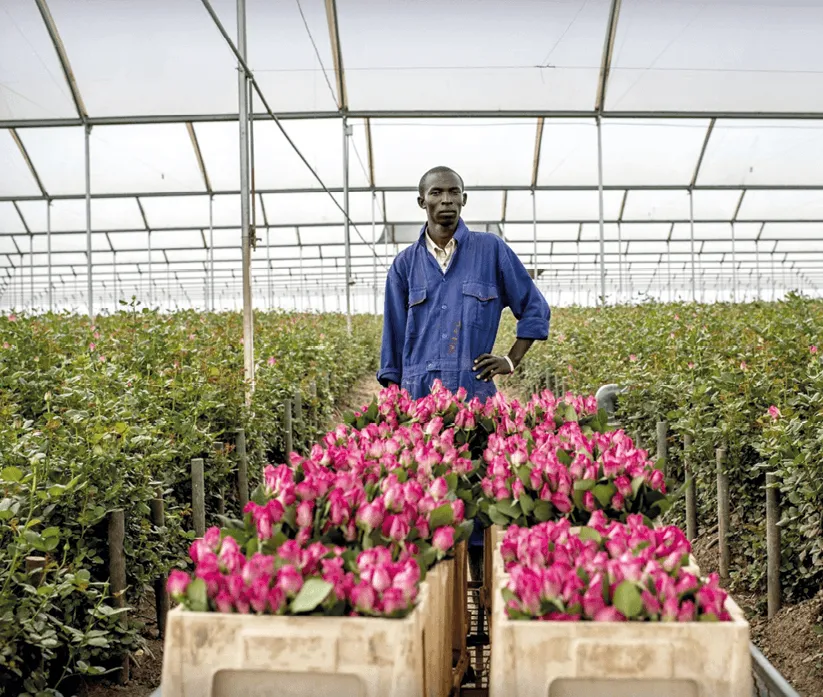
[[792, 640]]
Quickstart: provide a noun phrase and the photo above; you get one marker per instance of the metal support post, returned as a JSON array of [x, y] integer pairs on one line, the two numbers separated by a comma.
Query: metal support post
[[48, 253], [600, 201], [87, 131], [534, 233], [151, 292], [734, 267], [374, 249], [270, 301], [210, 300], [346, 133], [619, 261], [691, 239], [248, 312]]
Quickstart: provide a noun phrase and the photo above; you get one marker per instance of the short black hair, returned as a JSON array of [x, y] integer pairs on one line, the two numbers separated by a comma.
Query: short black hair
[[441, 169]]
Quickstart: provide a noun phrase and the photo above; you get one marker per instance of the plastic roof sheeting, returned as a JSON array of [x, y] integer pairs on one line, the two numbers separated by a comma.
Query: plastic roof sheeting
[[507, 93]]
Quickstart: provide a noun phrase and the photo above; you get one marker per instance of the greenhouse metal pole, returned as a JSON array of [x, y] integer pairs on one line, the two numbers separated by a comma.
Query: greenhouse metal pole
[[619, 261], [87, 131], [374, 247], [114, 280], [48, 253], [151, 293], [757, 265], [270, 301], [210, 299], [242, 96], [31, 269], [600, 197], [346, 223], [534, 233], [734, 266], [691, 239], [669, 267]]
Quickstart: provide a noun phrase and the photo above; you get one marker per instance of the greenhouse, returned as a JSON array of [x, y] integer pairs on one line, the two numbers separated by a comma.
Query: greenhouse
[[201, 207]]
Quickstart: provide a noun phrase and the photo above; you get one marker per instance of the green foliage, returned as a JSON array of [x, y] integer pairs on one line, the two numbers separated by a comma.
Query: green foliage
[[713, 371], [104, 417]]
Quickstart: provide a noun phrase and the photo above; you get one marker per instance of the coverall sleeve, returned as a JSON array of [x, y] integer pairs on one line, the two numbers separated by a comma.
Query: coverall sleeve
[[524, 298], [394, 328]]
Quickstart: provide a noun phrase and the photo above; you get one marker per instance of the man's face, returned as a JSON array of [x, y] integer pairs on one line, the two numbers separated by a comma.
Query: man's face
[[443, 198]]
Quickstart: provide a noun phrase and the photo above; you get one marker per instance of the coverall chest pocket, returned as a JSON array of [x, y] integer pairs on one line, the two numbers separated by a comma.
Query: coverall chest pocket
[[418, 311], [480, 302]]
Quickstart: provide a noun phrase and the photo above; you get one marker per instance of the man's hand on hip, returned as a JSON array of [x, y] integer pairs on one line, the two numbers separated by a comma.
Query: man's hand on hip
[[488, 365]]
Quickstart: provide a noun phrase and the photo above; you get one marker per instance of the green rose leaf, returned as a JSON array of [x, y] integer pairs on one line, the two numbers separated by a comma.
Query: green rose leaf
[[627, 599], [443, 515], [587, 533], [543, 511], [196, 596], [313, 592], [604, 492], [526, 504], [584, 484]]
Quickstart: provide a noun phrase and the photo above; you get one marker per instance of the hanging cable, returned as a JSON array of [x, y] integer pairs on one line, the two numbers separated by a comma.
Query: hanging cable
[[207, 4]]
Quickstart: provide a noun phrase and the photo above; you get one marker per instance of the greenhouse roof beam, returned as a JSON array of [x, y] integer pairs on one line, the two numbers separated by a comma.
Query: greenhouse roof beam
[[25, 224], [136, 119], [337, 53], [551, 222], [370, 155], [702, 153], [606, 62], [25, 155], [198, 155], [538, 142], [63, 57], [411, 189]]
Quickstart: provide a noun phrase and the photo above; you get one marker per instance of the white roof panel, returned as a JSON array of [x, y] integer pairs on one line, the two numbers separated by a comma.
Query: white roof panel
[[520, 54], [764, 153], [497, 152], [31, 80], [723, 55]]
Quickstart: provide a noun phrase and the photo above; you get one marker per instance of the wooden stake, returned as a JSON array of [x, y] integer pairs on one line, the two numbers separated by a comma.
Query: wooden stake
[[773, 552], [242, 469], [287, 428], [34, 570], [161, 598], [663, 445], [691, 492], [198, 497], [723, 512], [117, 576]]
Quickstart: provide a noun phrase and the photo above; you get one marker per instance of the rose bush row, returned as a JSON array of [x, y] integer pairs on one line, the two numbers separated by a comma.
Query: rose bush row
[[97, 417], [747, 377]]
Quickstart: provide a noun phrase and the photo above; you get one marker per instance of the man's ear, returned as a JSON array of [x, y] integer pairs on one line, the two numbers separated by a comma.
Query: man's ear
[[421, 202], [465, 198]]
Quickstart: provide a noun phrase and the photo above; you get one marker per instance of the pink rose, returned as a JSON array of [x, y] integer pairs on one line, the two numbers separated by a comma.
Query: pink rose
[[624, 485], [443, 538], [439, 488], [177, 584], [289, 580], [305, 513]]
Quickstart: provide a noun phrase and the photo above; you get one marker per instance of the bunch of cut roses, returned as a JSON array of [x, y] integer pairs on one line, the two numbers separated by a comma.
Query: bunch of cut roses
[[548, 473], [606, 571], [295, 580]]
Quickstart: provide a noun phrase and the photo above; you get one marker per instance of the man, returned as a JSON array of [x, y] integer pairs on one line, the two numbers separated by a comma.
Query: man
[[444, 298]]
